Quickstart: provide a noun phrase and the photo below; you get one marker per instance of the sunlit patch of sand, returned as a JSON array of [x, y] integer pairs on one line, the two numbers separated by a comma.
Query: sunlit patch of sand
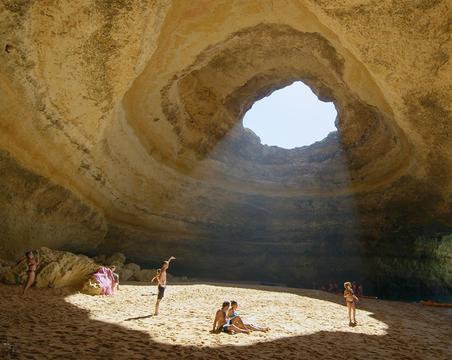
[[187, 314]]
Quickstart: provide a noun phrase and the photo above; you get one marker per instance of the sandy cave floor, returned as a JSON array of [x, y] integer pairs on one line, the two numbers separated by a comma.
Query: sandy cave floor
[[55, 324]]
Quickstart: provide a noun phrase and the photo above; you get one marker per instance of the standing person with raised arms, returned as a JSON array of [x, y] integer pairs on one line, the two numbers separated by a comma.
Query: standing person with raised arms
[[160, 277]]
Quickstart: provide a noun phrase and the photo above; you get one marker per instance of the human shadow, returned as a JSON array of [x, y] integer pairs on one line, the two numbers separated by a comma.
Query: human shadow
[[139, 318], [67, 332]]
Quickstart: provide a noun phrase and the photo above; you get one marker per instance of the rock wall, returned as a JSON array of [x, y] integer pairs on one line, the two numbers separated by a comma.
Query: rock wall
[[120, 129]]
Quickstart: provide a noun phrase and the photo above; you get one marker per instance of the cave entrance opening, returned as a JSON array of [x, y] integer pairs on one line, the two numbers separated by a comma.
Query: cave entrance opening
[[291, 117]]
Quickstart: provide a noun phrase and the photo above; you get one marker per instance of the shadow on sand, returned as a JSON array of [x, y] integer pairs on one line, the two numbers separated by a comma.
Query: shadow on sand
[[67, 332]]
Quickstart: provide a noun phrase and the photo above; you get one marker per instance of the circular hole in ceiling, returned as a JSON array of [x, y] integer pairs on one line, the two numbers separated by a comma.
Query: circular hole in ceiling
[[291, 117]]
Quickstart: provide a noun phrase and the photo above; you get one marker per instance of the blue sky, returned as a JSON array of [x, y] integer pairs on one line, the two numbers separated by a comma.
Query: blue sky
[[291, 117]]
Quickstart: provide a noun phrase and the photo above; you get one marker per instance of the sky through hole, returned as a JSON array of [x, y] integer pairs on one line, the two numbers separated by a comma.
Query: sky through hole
[[291, 117]]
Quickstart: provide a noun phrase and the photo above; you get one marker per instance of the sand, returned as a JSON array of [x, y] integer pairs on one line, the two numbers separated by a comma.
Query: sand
[[305, 324]]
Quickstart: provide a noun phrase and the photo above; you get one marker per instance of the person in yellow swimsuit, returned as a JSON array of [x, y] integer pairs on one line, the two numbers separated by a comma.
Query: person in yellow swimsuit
[[350, 300]]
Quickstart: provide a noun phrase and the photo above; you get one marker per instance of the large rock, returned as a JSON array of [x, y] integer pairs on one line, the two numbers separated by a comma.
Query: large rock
[[144, 275], [125, 274], [8, 276], [116, 259], [100, 259], [56, 269], [4, 262], [59, 269], [132, 267]]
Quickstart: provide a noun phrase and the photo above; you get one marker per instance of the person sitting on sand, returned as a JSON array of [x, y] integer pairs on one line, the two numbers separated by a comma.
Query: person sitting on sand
[[222, 323], [116, 276], [236, 320], [350, 300], [160, 277], [32, 267]]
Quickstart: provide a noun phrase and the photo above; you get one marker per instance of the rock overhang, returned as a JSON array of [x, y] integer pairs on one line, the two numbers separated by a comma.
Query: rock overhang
[[134, 112], [203, 104]]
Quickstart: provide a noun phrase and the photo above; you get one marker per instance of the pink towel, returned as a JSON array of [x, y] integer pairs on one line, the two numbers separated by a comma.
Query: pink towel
[[105, 278]]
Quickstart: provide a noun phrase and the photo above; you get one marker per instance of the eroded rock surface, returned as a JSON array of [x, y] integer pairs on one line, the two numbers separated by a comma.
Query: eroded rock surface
[[120, 129], [56, 269]]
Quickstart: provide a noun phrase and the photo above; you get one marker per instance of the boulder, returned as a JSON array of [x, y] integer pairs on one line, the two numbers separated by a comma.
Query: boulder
[[118, 266], [125, 274], [7, 276], [117, 259], [59, 268], [4, 262], [145, 275], [100, 259], [56, 269], [133, 267]]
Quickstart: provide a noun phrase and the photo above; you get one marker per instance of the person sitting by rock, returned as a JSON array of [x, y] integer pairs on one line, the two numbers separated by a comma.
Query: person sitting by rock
[[236, 320], [116, 276], [222, 323]]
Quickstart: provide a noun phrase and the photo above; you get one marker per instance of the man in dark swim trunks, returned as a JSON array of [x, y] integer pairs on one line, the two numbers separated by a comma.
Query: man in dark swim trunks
[[220, 318], [161, 282]]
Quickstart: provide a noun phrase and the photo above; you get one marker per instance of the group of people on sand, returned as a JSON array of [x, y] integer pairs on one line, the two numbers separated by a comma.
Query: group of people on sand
[[228, 320]]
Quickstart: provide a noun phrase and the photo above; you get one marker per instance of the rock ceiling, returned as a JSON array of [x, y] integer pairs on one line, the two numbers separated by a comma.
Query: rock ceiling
[[120, 128]]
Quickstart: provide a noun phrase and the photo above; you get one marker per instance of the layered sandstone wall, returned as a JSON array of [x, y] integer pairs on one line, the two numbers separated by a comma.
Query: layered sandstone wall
[[120, 127]]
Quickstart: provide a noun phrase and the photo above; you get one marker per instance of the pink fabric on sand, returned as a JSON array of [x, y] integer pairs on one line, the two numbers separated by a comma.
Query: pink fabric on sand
[[105, 278]]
